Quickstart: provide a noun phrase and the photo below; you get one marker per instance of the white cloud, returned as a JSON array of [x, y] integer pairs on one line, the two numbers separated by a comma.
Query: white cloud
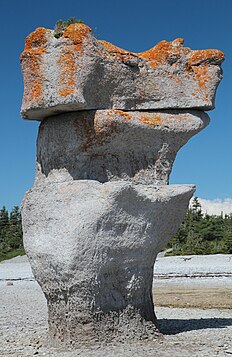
[[216, 206]]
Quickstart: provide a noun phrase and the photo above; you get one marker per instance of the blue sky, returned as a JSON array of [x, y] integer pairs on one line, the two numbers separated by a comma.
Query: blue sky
[[136, 26]]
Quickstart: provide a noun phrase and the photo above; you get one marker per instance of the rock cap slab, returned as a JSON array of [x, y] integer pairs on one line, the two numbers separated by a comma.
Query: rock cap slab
[[77, 71]]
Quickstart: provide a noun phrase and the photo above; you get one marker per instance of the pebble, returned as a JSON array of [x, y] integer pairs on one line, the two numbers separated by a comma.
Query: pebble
[[9, 283]]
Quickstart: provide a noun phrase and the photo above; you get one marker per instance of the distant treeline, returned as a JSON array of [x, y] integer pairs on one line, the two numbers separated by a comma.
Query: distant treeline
[[198, 234], [202, 234], [11, 236]]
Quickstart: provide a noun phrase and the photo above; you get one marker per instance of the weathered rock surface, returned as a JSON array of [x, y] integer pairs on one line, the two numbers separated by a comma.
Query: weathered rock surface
[[92, 248], [109, 145], [77, 72]]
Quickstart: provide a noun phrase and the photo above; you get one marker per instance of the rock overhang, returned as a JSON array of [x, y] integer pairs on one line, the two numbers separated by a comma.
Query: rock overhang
[[112, 145], [78, 72]]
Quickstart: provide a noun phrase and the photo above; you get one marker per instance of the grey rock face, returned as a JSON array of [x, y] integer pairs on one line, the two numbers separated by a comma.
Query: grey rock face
[[109, 145], [92, 248], [77, 72]]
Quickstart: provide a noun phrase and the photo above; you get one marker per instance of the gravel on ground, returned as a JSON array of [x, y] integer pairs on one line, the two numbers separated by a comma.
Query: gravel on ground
[[186, 332]]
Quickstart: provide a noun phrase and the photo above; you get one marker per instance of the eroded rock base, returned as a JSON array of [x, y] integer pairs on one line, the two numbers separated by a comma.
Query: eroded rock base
[[92, 248], [115, 326]]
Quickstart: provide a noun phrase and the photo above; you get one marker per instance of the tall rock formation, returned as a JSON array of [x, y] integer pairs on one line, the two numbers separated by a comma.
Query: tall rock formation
[[100, 210]]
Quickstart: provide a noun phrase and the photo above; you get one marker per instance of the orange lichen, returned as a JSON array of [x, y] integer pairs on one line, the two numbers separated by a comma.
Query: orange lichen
[[118, 52], [31, 59], [156, 119], [67, 76], [121, 113], [66, 92], [198, 67], [112, 48], [99, 132], [36, 40], [77, 33], [163, 52], [175, 77], [205, 56], [169, 53], [186, 50], [151, 120], [202, 76]]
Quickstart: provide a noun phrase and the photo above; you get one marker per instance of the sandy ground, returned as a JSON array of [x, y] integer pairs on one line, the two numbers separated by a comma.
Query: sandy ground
[[193, 281], [186, 331]]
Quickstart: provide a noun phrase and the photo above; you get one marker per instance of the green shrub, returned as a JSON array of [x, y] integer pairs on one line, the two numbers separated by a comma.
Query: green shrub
[[62, 25], [11, 235]]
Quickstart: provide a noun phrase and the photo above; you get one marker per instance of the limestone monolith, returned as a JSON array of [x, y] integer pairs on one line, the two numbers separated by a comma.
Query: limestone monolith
[[101, 207]]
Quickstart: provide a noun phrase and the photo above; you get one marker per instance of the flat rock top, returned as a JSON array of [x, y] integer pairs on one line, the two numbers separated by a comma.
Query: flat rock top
[[77, 71], [162, 53]]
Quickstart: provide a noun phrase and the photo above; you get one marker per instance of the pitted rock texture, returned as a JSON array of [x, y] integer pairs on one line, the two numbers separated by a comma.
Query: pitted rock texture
[[77, 72], [109, 145], [92, 248]]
